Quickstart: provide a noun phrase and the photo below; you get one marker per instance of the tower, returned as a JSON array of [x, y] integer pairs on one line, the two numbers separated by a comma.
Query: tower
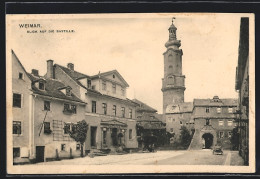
[[173, 81]]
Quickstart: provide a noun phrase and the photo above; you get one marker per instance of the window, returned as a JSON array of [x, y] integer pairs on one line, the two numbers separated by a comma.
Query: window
[[41, 85], [20, 75], [104, 85], [70, 108], [230, 122], [17, 100], [73, 109], [89, 83], [67, 128], [17, 127], [230, 110], [16, 152], [104, 105], [114, 110], [229, 134], [207, 121], [221, 122], [170, 69], [93, 87], [130, 113], [171, 130], [221, 134], [78, 147], [47, 105], [122, 91], [94, 106], [180, 122], [63, 146], [114, 88], [218, 110], [187, 123], [123, 111], [47, 127], [104, 137], [207, 109], [113, 76], [130, 134], [68, 92]]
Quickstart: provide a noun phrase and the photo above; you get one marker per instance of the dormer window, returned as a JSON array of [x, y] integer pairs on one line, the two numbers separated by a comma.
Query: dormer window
[[89, 83], [41, 85], [68, 91]]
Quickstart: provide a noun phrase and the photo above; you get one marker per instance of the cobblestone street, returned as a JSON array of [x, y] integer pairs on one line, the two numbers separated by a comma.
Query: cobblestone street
[[198, 157]]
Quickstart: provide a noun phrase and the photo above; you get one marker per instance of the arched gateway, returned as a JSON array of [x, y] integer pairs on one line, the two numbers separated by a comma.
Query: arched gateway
[[208, 140]]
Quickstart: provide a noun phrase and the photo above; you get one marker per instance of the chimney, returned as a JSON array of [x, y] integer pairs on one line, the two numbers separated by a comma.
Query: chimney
[[70, 66], [35, 72], [49, 68]]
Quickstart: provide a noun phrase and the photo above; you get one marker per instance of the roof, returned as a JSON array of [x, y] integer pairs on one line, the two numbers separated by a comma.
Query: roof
[[19, 62], [216, 102], [180, 108], [76, 76], [52, 89], [149, 121], [108, 73], [143, 107]]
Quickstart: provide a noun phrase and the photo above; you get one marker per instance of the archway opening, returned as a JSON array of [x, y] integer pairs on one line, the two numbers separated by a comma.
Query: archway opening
[[208, 138]]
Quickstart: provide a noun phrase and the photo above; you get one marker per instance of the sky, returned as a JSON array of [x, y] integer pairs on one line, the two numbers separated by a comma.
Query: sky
[[133, 44]]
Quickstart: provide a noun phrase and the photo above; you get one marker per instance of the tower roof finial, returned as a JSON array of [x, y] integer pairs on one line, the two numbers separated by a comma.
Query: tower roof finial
[[172, 19]]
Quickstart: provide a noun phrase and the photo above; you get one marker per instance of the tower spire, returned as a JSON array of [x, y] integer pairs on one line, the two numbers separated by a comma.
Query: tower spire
[[172, 36]]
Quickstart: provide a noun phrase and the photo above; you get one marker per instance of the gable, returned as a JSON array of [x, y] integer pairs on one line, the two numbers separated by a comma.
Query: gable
[[17, 68], [113, 76]]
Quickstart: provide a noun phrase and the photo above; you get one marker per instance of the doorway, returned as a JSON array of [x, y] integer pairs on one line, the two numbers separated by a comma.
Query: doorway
[[39, 153], [114, 137], [93, 134], [208, 138]]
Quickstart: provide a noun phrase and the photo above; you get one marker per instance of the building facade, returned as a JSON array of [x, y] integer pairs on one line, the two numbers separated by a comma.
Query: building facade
[[47, 110], [214, 121], [149, 123], [109, 113], [242, 86]]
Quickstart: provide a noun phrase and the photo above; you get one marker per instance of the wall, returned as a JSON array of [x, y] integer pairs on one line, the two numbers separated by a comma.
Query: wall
[[55, 113], [21, 86], [172, 96]]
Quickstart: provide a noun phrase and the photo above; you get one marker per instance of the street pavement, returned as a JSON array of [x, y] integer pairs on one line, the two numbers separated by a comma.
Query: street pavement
[[185, 157]]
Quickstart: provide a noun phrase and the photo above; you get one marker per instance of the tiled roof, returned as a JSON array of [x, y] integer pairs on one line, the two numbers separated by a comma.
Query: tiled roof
[[220, 102], [52, 87], [76, 76], [149, 121], [143, 107]]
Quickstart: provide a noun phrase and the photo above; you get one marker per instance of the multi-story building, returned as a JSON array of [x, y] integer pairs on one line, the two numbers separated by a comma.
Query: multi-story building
[[178, 115], [44, 109], [109, 113], [149, 123], [214, 121], [242, 86]]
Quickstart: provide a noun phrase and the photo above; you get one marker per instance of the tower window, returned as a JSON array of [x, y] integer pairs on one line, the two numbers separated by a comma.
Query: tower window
[[114, 110], [170, 58]]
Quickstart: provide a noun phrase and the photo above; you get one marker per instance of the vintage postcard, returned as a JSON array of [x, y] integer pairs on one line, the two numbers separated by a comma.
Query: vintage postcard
[[130, 93]]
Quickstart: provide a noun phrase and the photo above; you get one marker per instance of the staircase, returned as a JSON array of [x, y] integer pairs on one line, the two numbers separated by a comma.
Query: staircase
[[195, 142], [96, 152]]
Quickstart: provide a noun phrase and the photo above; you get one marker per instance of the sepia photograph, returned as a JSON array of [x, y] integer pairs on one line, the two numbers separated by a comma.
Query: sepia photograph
[[130, 93]]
